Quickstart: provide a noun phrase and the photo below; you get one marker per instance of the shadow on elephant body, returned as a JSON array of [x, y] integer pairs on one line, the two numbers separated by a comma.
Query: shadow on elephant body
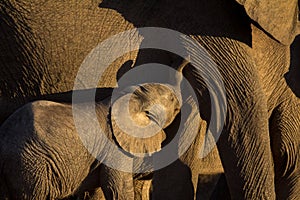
[[212, 187], [214, 18], [293, 75], [217, 19], [176, 176], [64, 97]]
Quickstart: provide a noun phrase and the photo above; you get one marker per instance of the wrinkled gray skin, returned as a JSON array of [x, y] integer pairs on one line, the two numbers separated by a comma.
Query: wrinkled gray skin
[[43, 157], [42, 42], [36, 156], [259, 145]]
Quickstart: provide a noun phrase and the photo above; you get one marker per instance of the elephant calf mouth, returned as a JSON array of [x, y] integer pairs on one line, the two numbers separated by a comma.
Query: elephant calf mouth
[[138, 146], [156, 118]]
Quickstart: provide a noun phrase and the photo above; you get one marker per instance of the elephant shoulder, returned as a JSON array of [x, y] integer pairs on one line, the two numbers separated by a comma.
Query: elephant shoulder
[[51, 119], [35, 118], [46, 111]]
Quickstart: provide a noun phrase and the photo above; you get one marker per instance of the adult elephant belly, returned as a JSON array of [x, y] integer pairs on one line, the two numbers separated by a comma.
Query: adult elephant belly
[[44, 43]]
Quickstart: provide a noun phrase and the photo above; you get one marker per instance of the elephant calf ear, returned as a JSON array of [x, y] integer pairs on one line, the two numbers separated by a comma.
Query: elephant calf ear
[[277, 17]]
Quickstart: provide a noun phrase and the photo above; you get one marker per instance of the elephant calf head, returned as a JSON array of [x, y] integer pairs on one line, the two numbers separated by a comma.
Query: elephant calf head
[[140, 115]]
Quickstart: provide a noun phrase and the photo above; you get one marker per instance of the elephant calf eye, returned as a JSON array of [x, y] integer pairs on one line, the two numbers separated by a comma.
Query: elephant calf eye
[[171, 98]]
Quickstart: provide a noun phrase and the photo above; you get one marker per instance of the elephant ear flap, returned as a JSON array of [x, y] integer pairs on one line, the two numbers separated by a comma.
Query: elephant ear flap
[[124, 126], [277, 17]]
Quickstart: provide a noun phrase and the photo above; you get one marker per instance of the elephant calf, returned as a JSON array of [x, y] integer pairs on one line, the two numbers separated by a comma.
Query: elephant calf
[[43, 156]]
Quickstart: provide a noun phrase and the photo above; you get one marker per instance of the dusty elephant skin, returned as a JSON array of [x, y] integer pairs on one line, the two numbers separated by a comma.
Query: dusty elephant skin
[[44, 160], [43, 42], [43, 156], [262, 125]]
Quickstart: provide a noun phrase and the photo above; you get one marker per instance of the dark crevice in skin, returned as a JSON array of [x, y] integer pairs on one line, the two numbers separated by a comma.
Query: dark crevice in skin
[[143, 176], [271, 119], [171, 130], [298, 11], [260, 28], [294, 72]]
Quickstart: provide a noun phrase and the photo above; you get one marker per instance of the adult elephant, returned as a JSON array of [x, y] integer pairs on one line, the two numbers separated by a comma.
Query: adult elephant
[[43, 44], [249, 40]]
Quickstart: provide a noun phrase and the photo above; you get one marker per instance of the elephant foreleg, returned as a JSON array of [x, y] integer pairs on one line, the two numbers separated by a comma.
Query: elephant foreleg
[[285, 144], [244, 148]]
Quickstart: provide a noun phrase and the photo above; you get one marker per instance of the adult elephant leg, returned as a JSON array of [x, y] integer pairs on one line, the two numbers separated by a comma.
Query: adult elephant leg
[[285, 144], [244, 145]]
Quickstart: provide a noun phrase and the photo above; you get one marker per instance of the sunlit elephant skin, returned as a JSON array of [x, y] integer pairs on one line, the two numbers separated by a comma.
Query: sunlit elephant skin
[[43, 156], [44, 42], [42, 47], [250, 43]]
